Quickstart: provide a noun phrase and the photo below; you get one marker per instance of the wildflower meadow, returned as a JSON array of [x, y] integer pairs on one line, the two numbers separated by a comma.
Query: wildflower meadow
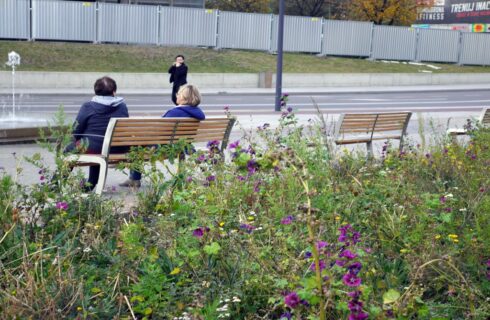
[[280, 226]]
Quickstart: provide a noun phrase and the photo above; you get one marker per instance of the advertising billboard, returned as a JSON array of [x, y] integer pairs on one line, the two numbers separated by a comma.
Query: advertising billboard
[[454, 12]]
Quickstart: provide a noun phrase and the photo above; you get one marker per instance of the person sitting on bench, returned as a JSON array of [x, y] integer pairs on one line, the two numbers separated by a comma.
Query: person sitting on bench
[[188, 100], [92, 121]]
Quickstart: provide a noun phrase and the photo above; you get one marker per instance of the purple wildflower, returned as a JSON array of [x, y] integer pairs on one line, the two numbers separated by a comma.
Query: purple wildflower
[[201, 158], [321, 264], [240, 178], [188, 179], [252, 166], [448, 209], [41, 178], [234, 145], [210, 178], [198, 233], [321, 244], [287, 220], [292, 300], [358, 316], [308, 254], [226, 108], [286, 315], [348, 234], [289, 109], [257, 186], [442, 199], [212, 144], [247, 227], [340, 263], [62, 205], [355, 268], [351, 280], [348, 254]]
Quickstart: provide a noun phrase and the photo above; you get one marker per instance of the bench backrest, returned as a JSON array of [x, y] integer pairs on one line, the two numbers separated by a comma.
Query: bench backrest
[[485, 117], [371, 124], [140, 131]]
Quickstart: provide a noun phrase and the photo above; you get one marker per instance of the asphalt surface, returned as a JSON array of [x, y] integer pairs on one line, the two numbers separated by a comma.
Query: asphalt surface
[[263, 104]]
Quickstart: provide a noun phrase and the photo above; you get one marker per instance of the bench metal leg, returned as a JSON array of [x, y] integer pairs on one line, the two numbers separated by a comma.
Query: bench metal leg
[[369, 147], [102, 178]]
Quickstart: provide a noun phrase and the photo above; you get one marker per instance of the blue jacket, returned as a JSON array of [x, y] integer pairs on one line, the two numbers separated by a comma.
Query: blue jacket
[[93, 118], [185, 112]]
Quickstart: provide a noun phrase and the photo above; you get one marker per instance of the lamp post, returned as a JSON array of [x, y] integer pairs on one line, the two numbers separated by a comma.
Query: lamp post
[[280, 38], [14, 60]]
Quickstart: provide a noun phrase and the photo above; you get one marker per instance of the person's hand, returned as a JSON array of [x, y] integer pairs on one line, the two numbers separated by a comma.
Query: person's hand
[[178, 64]]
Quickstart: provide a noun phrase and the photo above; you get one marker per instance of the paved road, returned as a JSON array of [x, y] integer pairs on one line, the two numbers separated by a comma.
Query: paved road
[[152, 105]]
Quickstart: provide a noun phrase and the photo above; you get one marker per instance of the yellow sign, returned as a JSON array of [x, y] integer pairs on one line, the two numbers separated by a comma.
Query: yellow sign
[[87, 4], [209, 11]]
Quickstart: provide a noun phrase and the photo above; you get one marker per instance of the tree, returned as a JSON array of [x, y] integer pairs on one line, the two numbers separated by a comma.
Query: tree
[[259, 6], [389, 12]]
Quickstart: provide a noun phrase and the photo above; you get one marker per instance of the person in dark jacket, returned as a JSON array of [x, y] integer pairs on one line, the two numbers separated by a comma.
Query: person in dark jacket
[[188, 100], [178, 76], [92, 121]]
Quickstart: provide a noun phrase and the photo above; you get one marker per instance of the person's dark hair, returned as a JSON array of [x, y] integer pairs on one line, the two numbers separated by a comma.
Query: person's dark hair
[[105, 86], [180, 56]]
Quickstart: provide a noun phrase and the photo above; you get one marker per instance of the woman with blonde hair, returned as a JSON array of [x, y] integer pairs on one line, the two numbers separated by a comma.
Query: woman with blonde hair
[[188, 100]]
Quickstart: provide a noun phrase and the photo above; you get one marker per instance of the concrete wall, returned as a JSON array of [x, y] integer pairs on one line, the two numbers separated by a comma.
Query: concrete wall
[[85, 80]]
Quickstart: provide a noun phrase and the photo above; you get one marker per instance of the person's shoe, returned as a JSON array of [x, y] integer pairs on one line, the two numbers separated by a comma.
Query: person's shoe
[[131, 183]]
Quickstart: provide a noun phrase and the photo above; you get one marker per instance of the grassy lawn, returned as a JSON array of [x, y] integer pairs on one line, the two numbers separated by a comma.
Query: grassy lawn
[[56, 56]]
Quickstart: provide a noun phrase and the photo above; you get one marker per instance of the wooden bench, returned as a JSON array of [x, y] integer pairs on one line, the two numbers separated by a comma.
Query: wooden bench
[[353, 128], [483, 120], [147, 132]]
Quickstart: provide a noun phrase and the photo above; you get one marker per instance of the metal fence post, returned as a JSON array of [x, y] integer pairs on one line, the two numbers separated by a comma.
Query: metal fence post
[[217, 41], [371, 44], [460, 48], [159, 24], [416, 53]]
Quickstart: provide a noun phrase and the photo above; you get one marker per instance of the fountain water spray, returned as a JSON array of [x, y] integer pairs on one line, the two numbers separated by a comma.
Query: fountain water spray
[[14, 60]]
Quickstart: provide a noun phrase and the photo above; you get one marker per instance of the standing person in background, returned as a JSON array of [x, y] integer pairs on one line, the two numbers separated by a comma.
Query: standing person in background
[[178, 76]]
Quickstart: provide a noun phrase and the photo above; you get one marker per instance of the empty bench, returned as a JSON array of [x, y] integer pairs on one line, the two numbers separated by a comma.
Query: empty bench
[[353, 128], [147, 132], [483, 120]]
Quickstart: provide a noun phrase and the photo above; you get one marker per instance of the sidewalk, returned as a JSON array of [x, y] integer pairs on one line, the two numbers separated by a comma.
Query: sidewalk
[[265, 91]]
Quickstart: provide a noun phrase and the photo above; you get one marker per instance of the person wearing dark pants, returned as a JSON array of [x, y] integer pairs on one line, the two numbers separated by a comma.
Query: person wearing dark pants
[[188, 100], [92, 121], [178, 76]]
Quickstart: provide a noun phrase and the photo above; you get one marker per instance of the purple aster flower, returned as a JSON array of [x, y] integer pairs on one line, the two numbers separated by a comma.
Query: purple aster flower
[[358, 316], [210, 178], [351, 280], [448, 209], [292, 300], [348, 254], [234, 145], [355, 268], [62, 205], [285, 95], [355, 306], [340, 263], [348, 234], [41, 178], [198, 233], [247, 227], [201, 158], [442, 199], [226, 108], [257, 186], [308, 254], [252, 166], [212, 144], [321, 264], [241, 178], [286, 315], [321, 244], [289, 109], [188, 179], [287, 220]]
